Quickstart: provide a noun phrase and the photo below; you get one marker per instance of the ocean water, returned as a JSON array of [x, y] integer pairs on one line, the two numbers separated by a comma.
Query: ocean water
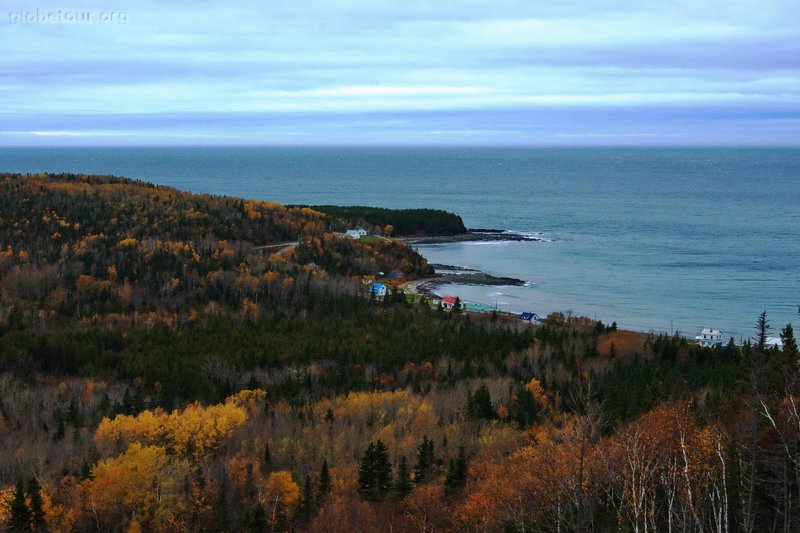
[[661, 239]]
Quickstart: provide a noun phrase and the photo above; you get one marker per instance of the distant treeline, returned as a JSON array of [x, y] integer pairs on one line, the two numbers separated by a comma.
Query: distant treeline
[[403, 221]]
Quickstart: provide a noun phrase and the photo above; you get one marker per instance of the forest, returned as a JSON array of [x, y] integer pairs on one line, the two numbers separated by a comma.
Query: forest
[[177, 362], [396, 222]]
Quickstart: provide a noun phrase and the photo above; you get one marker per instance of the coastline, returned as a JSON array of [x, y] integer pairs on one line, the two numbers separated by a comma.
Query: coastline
[[474, 235]]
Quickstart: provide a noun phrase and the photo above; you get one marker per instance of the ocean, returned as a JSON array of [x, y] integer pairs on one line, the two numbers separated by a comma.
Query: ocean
[[656, 239]]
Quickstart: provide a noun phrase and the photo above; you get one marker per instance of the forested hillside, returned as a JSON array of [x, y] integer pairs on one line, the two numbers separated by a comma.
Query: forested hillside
[[397, 222], [161, 370]]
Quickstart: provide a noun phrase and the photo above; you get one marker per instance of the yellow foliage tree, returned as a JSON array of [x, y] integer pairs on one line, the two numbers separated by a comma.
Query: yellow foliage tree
[[143, 485], [194, 432], [280, 495]]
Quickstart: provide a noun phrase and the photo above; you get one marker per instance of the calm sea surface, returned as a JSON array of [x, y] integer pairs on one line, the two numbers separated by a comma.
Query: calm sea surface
[[653, 238]]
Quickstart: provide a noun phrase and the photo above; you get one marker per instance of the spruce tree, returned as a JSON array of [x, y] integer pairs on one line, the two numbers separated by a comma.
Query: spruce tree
[[425, 460], [456, 472], [324, 483], [257, 519], [223, 519], [307, 504], [266, 464], [789, 345], [762, 328], [383, 470], [403, 483], [479, 404], [37, 512], [366, 473], [20, 519], [60, 429], [375, 473]]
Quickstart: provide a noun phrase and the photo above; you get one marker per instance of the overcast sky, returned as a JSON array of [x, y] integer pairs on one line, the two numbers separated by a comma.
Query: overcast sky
[[411, 72]]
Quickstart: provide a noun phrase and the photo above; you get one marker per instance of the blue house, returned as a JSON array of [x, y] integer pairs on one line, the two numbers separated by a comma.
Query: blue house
[[378, 289], [527, 316]]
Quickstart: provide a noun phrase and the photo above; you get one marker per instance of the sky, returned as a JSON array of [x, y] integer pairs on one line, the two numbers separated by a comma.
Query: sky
[[436, 72]]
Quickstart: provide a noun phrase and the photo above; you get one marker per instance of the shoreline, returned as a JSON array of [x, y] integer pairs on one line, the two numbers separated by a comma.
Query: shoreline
[[474, 235]]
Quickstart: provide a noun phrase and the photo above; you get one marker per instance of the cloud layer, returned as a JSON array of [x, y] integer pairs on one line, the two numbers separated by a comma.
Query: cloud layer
[[585, 72]]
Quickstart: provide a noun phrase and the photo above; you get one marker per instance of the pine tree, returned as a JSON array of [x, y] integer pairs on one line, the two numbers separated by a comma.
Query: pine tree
[[223, 520], [762, 328], [37, 512], [257, 519], [383, 470], [425, 460], [402, 483], [20, 519], [789, 344], [324, 483], [307, 504], [366, 473], [375, 473], [60, 429], [456, 472], [267, 461], [461, 466], [479, 404], [525, 411]]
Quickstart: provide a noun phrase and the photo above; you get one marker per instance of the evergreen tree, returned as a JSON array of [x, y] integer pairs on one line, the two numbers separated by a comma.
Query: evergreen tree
[[20, 515], [479, 404], [104, 408], [73, 415], [307, 504], [403, 483], [257, 519], [60, 428], [425, 460], [383, 470], [456, 472], [375, 473], [324, 483], [789, 344], [223, 520], [525, 411], [366, 473], [36, 510], [86, 471], [762, 328], [267, 461]]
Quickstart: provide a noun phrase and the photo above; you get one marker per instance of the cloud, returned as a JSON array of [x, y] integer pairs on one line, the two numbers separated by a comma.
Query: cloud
[[380, 56]]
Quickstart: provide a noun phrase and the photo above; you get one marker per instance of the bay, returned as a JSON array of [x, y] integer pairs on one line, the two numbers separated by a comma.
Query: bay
[[657, 239]]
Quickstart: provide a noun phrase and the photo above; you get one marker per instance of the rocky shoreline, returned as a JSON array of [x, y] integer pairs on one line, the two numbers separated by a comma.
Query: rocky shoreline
[[428, 286], [473, 235]]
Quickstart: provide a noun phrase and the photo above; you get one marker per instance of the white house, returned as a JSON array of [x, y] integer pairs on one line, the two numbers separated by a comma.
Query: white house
[[449, 302], [356, 233], [709, 337], [773, 342]]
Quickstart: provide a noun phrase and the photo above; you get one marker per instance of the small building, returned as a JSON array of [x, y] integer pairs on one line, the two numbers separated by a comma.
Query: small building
[[478, 309], [773, 342], [449, 302], [709, 337], [378, 289], [356, 233], [396, 274], [528, 316]]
